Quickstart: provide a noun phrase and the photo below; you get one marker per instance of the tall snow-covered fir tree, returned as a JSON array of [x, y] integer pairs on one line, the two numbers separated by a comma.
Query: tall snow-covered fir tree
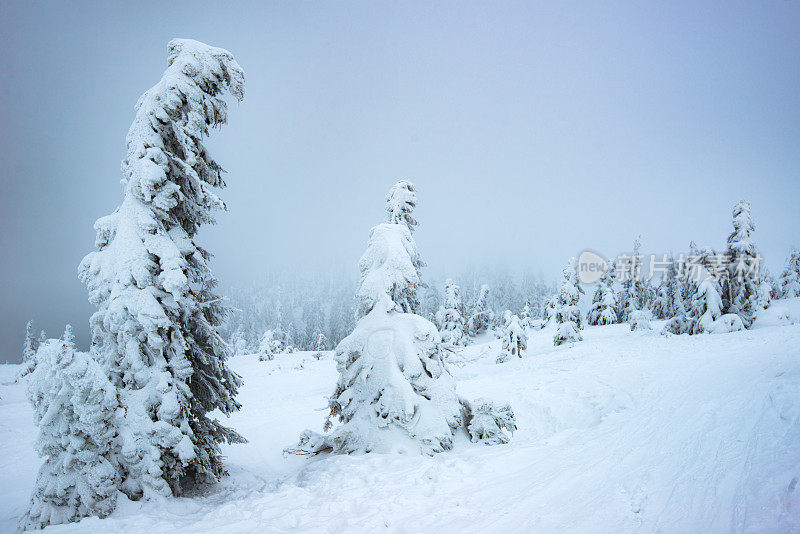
[[515, 340], [681, 288], [741, 288], [69, 335], [604, 302], [389, 242], [765, 290], [567, 313], [267, 347], [790, 278], [155, 330], [394, 390], [75, 408], [452, 320], [29, 347], [633, 293], [481, 315], [525, 316]]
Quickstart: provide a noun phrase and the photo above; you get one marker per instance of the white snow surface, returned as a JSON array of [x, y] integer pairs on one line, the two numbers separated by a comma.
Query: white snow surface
[[622, 432]]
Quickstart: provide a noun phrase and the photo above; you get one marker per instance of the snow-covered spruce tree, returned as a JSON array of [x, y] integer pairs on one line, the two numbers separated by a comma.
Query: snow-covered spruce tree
[[156, 325], [706, 306], [489, 423], [790, 279], [394, 391], [481, 315], [515, 340], [661, 302], [678, 322], [525, 316], [604, 303], [68, 336], [313, 320], [633, 293], [663, 306], [742, 286], [765, 290], [267, 346], [550, 307], [452, 319], [29, 348], [567, 314], [239, 342], [75, 407], [322, 343]]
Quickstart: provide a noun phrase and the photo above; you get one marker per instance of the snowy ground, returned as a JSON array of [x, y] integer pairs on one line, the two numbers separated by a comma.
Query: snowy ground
[[623, 432]]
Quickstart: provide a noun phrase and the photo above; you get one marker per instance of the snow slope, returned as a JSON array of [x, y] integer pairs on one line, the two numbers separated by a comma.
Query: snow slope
[[623, 432]]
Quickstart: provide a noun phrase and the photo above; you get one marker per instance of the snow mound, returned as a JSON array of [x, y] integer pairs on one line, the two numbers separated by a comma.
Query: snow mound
[[775, 315]]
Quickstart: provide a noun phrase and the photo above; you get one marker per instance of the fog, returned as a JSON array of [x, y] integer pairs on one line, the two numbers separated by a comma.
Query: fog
[[530, 132]]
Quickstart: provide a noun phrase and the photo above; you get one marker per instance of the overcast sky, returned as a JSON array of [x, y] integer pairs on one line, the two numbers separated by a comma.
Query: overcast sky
[[530, 131]]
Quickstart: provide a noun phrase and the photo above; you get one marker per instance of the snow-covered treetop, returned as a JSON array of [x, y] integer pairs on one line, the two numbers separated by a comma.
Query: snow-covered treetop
[[166, 164], [570, 288], [390, 266], [739, 242], [400, 203], [452, 295]]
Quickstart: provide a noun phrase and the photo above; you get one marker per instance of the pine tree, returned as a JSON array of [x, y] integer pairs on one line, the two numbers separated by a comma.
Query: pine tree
[[706, 305], [765, 290], [515, 340], [267, 347], [481, 314], [661, 306], [452, 319], [431, 302], [550, 307], [69, 336], [790, 279], [674, 287], [604, 303], [75, 407], [393, 389], [239, 342], [742, 284], [156, 325], [321, 345], [525, 316], [678, 286], [314, 321], [322, 342], [29, 348], [568, 315], [633, 294]]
